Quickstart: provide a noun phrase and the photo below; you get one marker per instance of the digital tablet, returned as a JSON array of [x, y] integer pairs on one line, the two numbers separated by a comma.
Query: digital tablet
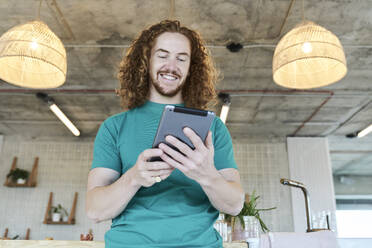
[[174, 119]]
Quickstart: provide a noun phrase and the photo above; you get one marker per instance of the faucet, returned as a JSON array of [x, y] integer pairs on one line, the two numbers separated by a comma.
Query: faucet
[[307, 200]]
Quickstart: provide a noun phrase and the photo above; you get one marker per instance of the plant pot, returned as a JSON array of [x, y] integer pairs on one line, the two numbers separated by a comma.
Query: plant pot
[[21, 181], [56, 217], [65, 218]]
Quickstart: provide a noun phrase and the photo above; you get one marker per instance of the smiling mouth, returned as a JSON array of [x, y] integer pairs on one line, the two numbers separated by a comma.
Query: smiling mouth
[[169, 76]]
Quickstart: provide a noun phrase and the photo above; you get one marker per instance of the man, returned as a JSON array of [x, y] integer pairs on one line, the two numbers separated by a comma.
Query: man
[[175, 202]]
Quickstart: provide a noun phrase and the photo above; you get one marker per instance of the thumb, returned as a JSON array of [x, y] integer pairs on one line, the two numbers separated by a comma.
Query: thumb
[[208, 141]]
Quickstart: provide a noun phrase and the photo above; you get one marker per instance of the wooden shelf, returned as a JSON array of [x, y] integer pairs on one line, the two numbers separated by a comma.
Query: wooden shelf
[[71, 217], [7, 238], [49, 222], [31, 181]]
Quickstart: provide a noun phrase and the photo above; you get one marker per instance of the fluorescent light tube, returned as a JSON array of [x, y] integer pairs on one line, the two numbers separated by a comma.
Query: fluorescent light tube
[[64, 119], [365, 131], [224, 112]]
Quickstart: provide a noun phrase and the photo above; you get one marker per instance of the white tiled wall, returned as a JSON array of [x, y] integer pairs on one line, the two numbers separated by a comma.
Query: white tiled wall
[[64, 166], [261, 165], [309, 163], [63, 169]]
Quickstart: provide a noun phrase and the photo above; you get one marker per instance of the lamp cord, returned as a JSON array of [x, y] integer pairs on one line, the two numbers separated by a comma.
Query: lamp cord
[[38, 12], [171, 9], [303, 11]]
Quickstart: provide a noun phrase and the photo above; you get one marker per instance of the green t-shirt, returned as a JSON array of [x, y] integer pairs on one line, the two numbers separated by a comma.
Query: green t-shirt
[[173, 213]]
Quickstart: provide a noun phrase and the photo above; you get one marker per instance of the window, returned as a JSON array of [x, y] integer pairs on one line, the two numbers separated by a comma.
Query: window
[[354, 223]]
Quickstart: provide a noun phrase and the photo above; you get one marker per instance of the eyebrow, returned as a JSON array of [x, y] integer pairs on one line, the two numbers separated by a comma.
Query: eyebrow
[[165, 51]]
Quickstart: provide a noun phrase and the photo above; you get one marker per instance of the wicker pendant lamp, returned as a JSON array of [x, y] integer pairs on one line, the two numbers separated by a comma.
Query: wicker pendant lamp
[[32, 56], [308, 56]]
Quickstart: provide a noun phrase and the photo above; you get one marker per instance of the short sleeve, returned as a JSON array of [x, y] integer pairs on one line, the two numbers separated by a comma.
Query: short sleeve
[[106, 153], [223, 148]]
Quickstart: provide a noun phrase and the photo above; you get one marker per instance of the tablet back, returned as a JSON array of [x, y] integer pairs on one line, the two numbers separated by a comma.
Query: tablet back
[[175, 118]]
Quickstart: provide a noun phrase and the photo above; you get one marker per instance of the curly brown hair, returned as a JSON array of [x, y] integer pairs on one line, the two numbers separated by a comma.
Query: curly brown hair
[[199, 88]]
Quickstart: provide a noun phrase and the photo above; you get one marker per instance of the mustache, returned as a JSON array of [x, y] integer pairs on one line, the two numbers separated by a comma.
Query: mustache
[[170, 72]]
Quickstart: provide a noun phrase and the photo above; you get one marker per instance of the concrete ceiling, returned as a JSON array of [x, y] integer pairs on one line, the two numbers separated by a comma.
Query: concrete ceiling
[[97, 33]]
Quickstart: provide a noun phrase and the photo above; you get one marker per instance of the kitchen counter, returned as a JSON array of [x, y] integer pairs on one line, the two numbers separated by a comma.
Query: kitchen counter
[[73, 244], [269, 240]]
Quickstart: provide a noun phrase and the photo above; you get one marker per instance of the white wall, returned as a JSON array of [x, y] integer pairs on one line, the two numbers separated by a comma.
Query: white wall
[[309, 163]]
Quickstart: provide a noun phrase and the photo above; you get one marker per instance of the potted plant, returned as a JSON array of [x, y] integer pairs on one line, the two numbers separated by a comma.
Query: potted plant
[[249, 209], [58, 212], [18, 176]]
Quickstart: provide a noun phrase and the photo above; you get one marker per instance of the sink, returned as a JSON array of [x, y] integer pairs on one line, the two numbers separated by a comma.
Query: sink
[[321, 239]]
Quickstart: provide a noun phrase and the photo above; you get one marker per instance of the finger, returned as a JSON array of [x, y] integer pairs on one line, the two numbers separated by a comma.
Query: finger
[[149, 153], [163, 177], [151, 177], [159, 172], [148, 180], [180, 145], [157, 165], [174, 154], [173, 162], [195, 139], [208, 141]]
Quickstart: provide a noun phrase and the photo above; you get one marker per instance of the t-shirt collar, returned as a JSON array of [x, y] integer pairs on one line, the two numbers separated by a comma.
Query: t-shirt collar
[[160, 106]]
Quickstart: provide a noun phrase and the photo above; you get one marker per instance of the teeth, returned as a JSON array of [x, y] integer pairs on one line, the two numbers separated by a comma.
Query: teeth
[[168, 77]]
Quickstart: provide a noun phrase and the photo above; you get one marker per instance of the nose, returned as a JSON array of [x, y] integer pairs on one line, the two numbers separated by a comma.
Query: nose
[[171, 64]]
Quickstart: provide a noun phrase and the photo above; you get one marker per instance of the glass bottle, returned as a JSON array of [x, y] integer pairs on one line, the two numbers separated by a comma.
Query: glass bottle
[[221, 226], [251, 231]]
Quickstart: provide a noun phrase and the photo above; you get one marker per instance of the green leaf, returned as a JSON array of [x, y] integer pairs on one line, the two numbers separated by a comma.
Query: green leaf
[[250, 209]]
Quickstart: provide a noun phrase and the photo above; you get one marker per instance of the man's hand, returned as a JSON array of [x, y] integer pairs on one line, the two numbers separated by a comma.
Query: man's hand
[[196, 164], [144, 173]]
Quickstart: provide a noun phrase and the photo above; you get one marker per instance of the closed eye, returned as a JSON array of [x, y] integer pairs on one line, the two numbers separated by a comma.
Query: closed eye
[[182, 58]]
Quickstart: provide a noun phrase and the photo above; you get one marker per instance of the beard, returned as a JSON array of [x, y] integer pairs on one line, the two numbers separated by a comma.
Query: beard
[[162, 92]]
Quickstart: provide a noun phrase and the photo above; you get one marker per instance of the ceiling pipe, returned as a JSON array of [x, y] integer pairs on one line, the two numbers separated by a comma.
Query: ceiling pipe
[[313, 114], [31, 91], [228, 91], [232, 93], [330, 94], [256, 45], [352, 115]]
